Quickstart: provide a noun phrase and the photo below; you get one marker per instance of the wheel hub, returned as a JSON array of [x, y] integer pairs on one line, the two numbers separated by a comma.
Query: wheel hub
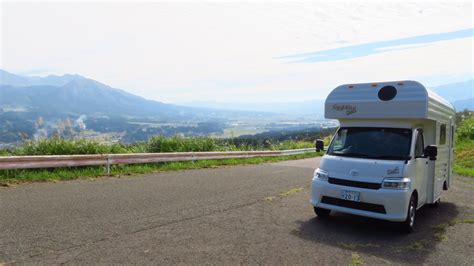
[[412, 215]]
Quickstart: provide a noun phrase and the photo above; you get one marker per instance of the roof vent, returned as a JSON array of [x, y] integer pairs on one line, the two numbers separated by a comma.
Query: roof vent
[[387, 93]]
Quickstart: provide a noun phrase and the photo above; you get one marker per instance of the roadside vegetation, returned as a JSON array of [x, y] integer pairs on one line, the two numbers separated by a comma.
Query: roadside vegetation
[[156, 144], [61, 146], [464, 146], [8, 177], [464, 152]]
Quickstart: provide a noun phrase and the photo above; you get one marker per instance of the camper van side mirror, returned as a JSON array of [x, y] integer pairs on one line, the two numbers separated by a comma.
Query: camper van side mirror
[[319, 145], [431, 151]]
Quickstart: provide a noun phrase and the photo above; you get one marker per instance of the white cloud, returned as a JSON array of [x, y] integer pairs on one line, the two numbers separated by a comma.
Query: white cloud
[[182, 51]]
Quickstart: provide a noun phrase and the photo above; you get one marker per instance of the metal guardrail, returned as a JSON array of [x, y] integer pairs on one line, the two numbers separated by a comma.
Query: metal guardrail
[[107, 160]]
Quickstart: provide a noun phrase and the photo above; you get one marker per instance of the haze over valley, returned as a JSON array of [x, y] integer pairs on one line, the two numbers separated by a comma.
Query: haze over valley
[[74, 106]]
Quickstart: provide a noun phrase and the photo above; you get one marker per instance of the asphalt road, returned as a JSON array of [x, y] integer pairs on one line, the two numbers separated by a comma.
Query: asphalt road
[[256, 214]]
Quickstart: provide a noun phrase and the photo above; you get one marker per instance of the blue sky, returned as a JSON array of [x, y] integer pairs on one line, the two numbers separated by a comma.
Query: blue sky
[[247, 52], [366, 49]]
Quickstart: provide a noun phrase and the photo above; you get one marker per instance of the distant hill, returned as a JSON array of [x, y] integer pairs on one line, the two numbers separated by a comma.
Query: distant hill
[[74, 94], [75, 106], [464, 104], [79, 95], [7, 78], [310, 107], [460, 94], [456, 91]]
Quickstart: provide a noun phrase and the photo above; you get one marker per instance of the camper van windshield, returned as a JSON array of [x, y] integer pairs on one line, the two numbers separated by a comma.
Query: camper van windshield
[[372, 142]]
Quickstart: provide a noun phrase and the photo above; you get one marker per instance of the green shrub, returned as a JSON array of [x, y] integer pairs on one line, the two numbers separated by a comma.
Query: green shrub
[[291, 145], [465, 130], [464, 146], [180, 144], [464, 157], [156, 144], [59, 146]]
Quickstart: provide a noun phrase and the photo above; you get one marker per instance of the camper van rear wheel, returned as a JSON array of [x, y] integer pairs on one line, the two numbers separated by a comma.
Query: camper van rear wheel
[[409, 223], [322, 213]]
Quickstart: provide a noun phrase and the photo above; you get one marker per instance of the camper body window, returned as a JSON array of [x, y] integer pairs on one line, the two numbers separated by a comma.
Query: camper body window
[[372, 143], [442, 134]]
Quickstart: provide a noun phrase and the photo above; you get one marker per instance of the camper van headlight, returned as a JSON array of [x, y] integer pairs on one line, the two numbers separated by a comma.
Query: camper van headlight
[[396, 183], [321, 174]]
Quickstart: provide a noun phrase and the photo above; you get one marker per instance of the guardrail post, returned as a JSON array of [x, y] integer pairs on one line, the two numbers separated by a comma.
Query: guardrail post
[[107, 165], [192, 157]]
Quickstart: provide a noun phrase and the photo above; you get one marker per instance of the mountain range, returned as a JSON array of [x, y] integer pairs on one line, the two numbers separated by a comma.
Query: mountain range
[[76, 106], [460, 94], [77, 94]]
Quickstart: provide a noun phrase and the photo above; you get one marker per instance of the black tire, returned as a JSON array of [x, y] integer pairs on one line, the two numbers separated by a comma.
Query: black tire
[[409, 223], [322, 213]]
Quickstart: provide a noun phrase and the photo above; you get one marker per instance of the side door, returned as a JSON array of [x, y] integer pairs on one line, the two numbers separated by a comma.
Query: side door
[[421, 166], [442, 163]]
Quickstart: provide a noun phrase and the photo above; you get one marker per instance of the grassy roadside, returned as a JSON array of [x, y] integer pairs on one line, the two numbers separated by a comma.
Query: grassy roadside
[[464, 146], [156, 144], [464, 158], [40, 175]]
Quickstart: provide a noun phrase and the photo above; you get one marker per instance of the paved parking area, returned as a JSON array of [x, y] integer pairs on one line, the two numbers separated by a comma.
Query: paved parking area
[[255, 214]]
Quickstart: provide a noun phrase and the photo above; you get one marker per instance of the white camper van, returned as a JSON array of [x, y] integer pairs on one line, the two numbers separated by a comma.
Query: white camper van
[[392, 154]]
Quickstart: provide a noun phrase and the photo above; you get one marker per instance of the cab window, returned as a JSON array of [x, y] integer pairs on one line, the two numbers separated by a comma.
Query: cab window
[[419, 145], [340, 139]]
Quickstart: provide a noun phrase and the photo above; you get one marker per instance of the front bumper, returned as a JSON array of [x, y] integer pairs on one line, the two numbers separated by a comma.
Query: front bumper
[[394, 201]]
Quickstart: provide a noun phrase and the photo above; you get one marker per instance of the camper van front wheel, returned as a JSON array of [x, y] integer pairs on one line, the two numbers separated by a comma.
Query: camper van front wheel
[[408, 224], [322, 213]]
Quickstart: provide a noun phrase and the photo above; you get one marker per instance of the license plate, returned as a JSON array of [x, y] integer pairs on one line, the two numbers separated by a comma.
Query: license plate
[[350, 195]]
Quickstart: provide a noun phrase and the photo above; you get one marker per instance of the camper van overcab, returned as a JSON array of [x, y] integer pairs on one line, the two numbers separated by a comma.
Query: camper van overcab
[[392, 153]]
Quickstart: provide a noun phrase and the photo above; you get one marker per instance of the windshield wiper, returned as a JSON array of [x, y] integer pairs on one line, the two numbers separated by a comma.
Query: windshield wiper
[[351, 154], [392, 157]]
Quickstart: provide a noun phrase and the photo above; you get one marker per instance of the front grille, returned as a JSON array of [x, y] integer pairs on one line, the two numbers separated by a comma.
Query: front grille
[[364, 206], [351, 183]]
